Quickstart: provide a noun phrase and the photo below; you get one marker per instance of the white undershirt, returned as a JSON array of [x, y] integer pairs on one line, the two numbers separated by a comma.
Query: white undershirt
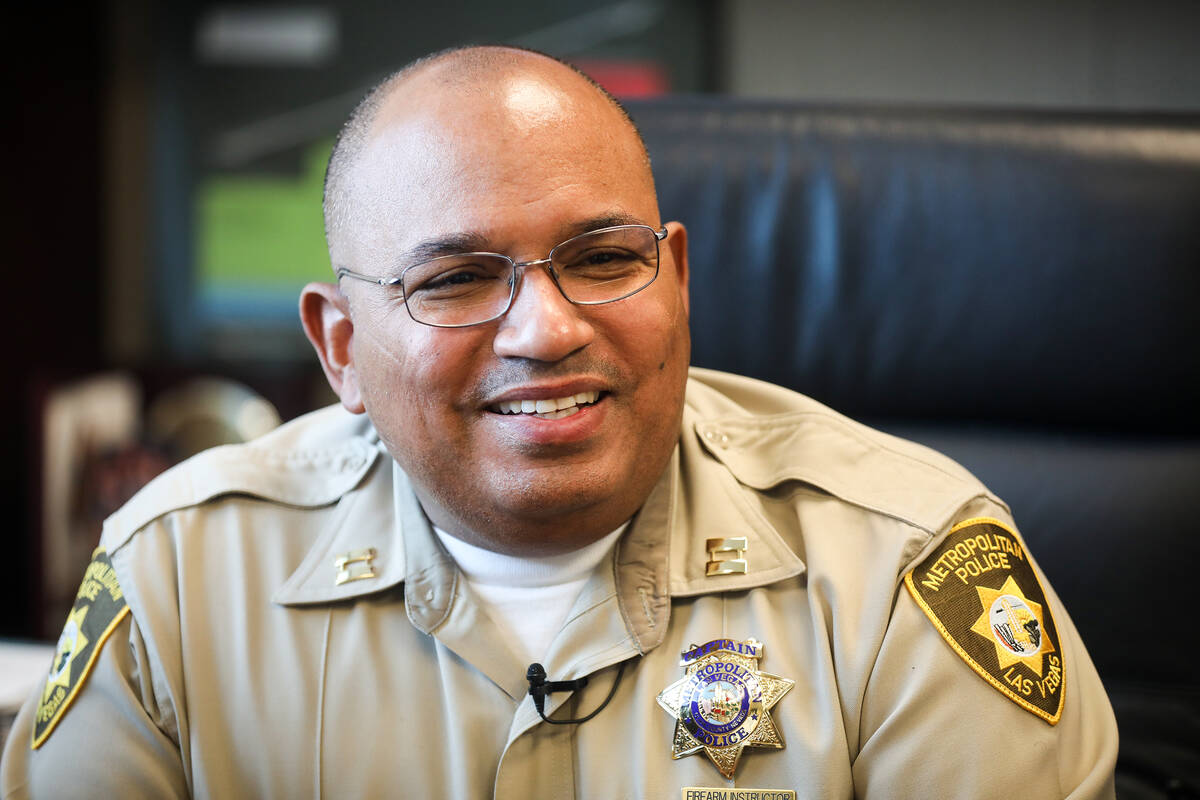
[[528, 597]]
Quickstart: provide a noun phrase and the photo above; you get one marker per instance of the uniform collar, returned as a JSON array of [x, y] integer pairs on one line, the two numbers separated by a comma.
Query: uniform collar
[[366, 522], [663, 555], [711, 503]]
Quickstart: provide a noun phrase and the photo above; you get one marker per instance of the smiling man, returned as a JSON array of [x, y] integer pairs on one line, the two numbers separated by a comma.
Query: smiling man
[[532, 554], [423, 184]]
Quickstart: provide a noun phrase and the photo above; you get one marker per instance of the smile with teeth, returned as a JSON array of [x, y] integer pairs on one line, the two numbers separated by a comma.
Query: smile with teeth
[[555, 408]]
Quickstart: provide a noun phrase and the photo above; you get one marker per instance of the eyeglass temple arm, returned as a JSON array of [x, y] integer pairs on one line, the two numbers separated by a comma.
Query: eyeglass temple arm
[[341, 272]]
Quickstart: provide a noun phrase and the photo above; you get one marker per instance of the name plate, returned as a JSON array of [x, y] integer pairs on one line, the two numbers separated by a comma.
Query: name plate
[[706, 793]]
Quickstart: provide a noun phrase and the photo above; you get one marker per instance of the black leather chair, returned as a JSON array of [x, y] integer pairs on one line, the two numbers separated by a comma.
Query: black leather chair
[[1019, 290]]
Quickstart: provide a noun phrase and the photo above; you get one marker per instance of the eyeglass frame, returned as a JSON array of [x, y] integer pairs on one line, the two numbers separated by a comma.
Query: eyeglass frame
[[659, 235]]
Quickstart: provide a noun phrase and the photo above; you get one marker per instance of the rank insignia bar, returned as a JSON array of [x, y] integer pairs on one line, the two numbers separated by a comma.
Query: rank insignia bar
[[980, 591], [723, 702], [354, 566], [726, 556]]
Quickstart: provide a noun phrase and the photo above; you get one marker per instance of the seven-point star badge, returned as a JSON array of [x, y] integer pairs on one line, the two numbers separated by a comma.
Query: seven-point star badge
[[723, 702]]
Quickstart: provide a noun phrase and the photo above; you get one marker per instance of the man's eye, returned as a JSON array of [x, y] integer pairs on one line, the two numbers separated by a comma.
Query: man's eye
[[459, 280], [451, 279], [601, 260], [605, 257]]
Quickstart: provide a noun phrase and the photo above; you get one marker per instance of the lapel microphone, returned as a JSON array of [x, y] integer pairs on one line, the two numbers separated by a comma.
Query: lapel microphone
[[539, 687]]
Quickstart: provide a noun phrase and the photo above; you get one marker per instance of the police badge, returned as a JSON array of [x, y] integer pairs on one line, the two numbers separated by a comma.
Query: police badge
[[723, 702]]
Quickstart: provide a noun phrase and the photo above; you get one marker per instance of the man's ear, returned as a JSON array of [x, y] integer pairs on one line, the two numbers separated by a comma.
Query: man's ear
[[325, 313], [677, 242]]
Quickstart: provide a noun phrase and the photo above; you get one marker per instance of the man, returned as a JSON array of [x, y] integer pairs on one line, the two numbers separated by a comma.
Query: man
[[759, 593]]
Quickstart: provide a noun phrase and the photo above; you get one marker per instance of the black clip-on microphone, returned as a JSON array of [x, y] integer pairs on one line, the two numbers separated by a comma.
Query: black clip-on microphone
[[539, 687]]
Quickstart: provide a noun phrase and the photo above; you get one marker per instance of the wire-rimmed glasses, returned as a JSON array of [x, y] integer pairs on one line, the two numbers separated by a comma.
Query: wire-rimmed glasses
[[454, 291]]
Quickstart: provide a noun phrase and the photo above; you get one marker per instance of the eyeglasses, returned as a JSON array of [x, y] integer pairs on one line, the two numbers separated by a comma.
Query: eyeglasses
[[454, 291]]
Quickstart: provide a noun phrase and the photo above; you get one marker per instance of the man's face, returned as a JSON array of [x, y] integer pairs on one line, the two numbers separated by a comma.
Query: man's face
[[534, 161]]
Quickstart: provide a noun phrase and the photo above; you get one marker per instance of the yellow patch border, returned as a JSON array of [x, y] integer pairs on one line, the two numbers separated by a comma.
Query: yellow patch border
[[987, 676], [83, 676]]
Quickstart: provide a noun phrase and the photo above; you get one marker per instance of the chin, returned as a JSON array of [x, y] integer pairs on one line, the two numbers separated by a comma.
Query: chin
[[534, 500], [530, 515]]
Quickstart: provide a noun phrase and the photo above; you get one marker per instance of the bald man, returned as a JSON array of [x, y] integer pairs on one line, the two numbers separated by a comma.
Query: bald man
[[533, 555]]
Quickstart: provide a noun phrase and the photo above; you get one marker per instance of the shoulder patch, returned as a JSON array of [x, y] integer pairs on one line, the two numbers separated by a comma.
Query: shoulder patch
[[99, 607], [981, 593]]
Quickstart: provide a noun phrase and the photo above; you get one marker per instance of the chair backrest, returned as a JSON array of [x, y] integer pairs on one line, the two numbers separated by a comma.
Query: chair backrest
[[1017, 289]]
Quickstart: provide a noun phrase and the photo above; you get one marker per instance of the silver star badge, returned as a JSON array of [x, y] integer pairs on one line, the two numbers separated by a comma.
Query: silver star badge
[[723, 702]]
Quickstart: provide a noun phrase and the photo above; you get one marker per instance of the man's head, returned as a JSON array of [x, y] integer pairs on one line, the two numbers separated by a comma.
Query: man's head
[[506, 151]]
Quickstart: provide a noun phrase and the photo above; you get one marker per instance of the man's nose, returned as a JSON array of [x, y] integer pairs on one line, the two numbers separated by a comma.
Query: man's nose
[[541, 324]]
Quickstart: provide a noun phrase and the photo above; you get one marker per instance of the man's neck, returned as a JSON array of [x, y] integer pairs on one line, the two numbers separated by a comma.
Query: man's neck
[[528, 598], [485, 566]]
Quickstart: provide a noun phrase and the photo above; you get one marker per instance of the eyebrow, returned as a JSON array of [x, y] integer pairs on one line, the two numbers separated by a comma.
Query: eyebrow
[[450, 245], [475, 242], [596, 223]]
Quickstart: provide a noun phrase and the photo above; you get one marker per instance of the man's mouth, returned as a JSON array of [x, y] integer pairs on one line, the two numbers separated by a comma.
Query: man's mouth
[[555, 408]]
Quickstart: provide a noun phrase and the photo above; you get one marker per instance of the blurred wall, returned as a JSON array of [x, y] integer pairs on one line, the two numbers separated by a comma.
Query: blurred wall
[[53, 252], [1100, 54]]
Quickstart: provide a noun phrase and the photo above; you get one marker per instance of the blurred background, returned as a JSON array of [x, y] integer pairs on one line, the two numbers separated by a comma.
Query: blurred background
[[168, 161]]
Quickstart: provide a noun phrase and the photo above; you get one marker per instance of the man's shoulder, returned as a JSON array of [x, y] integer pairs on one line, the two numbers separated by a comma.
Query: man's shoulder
[[311, 461], [767, 435]]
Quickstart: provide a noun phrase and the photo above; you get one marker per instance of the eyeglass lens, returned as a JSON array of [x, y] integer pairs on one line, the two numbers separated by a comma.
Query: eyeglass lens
[[596, 267]]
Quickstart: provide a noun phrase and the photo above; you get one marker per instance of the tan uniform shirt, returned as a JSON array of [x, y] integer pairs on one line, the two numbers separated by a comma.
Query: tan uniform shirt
[[245, 670]]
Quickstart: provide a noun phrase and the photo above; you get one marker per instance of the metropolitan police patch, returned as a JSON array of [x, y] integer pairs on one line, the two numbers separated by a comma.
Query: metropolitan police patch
[[99, 607], [983, 596]]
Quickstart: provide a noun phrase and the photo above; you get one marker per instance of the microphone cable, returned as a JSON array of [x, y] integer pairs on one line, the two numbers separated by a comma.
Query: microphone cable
[[539, 687]]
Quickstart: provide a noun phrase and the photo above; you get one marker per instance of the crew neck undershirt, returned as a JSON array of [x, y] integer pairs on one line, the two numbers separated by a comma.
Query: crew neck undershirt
[[528, 597]]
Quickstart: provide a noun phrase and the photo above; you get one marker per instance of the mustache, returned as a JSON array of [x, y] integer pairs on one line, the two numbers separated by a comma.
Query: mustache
[[511, 373]]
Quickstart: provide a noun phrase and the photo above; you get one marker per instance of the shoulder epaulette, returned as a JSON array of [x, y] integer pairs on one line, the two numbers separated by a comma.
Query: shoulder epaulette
[[291, 465], [810, 442]]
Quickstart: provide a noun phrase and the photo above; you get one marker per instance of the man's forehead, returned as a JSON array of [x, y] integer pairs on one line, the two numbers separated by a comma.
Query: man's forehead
[[420, 169]]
